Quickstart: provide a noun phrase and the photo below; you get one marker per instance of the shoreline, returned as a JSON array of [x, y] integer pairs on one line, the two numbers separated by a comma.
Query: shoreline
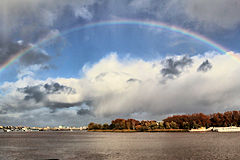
[[131, 131]]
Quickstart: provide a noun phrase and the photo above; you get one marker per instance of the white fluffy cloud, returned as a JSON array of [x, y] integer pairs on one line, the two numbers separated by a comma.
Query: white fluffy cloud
[[113, 91], [128, 86]]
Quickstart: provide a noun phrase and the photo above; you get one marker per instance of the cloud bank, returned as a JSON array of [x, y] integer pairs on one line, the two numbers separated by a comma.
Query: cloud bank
[[131, 87]]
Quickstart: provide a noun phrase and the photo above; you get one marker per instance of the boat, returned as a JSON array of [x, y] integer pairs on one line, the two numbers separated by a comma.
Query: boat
[[226, 129], [202, 129], [7, 130]]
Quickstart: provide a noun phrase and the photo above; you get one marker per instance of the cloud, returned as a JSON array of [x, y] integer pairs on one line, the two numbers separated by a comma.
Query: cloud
[[24, 71], [189, 92], [32, 92], [35, 20], [59, 105], [173, 66], [223, 13], [203, 15], [144, 5], [115, 86], [31, 21], [83, 12], [35, 56], [116, 93], [8, 50], [84, 112], [205, 66], [40, 16], [56, 88], [133, 80], [39, 93]]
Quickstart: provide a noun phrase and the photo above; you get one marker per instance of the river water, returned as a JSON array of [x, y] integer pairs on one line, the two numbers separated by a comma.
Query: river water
[[96, 145]]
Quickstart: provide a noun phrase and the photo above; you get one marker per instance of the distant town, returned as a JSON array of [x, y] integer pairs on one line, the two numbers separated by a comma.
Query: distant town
[[32, 129]]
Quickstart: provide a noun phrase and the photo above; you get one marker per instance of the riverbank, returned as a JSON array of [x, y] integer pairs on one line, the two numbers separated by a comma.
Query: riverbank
[[126, 130]]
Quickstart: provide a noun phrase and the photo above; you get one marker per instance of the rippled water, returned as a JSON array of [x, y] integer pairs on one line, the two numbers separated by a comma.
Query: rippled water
[[88, 145]]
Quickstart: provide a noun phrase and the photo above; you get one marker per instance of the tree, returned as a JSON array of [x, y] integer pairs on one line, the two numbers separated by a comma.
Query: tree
[[128, 124], [105, 126], [97, 126], [161, 125], [173, 125], [141, 128], [153, 125], [119, 124], [112, 126], [167, 125], [195, 125], [91, 126], [186, 125]]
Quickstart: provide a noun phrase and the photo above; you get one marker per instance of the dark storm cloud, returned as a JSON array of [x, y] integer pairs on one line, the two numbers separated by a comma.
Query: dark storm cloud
[[85, 112], [56, 88], [3, 112], [33, 92], [201, 15], [133, 80], [205, 66], [9, 49], [174, 67], [30, 21], [39, 94], [34, 57], [214, 13], [58, 105]]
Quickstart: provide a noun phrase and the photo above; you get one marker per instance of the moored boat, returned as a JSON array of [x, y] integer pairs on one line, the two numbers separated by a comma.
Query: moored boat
[[227, 129]]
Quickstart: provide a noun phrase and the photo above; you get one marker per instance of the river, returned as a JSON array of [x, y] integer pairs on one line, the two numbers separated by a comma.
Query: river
[[136, 146]]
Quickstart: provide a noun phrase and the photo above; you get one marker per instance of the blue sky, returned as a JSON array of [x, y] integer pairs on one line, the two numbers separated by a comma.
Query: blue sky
[[99, 73], [87, 46]]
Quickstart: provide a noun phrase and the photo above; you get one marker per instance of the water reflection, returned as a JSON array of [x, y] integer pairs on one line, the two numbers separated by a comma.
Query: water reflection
[[85, 145]]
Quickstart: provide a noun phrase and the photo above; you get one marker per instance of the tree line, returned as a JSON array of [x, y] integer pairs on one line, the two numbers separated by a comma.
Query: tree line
[[193, 121], [129, 124]]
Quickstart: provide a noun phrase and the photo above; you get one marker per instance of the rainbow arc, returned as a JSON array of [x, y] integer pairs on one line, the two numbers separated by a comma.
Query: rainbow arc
[[153, 24]]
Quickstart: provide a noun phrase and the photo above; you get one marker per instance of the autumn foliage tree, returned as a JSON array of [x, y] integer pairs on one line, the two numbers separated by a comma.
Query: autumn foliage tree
[[129, 124], [196, 120]]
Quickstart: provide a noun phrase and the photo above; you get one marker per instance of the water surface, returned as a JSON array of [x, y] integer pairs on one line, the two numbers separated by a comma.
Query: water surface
[[96, 145]]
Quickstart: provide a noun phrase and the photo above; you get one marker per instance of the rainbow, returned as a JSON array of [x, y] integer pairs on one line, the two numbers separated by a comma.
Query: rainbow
[[153, 24]]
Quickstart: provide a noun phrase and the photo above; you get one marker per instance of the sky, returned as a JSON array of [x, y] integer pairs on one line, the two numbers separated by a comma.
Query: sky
[[79, 65]]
